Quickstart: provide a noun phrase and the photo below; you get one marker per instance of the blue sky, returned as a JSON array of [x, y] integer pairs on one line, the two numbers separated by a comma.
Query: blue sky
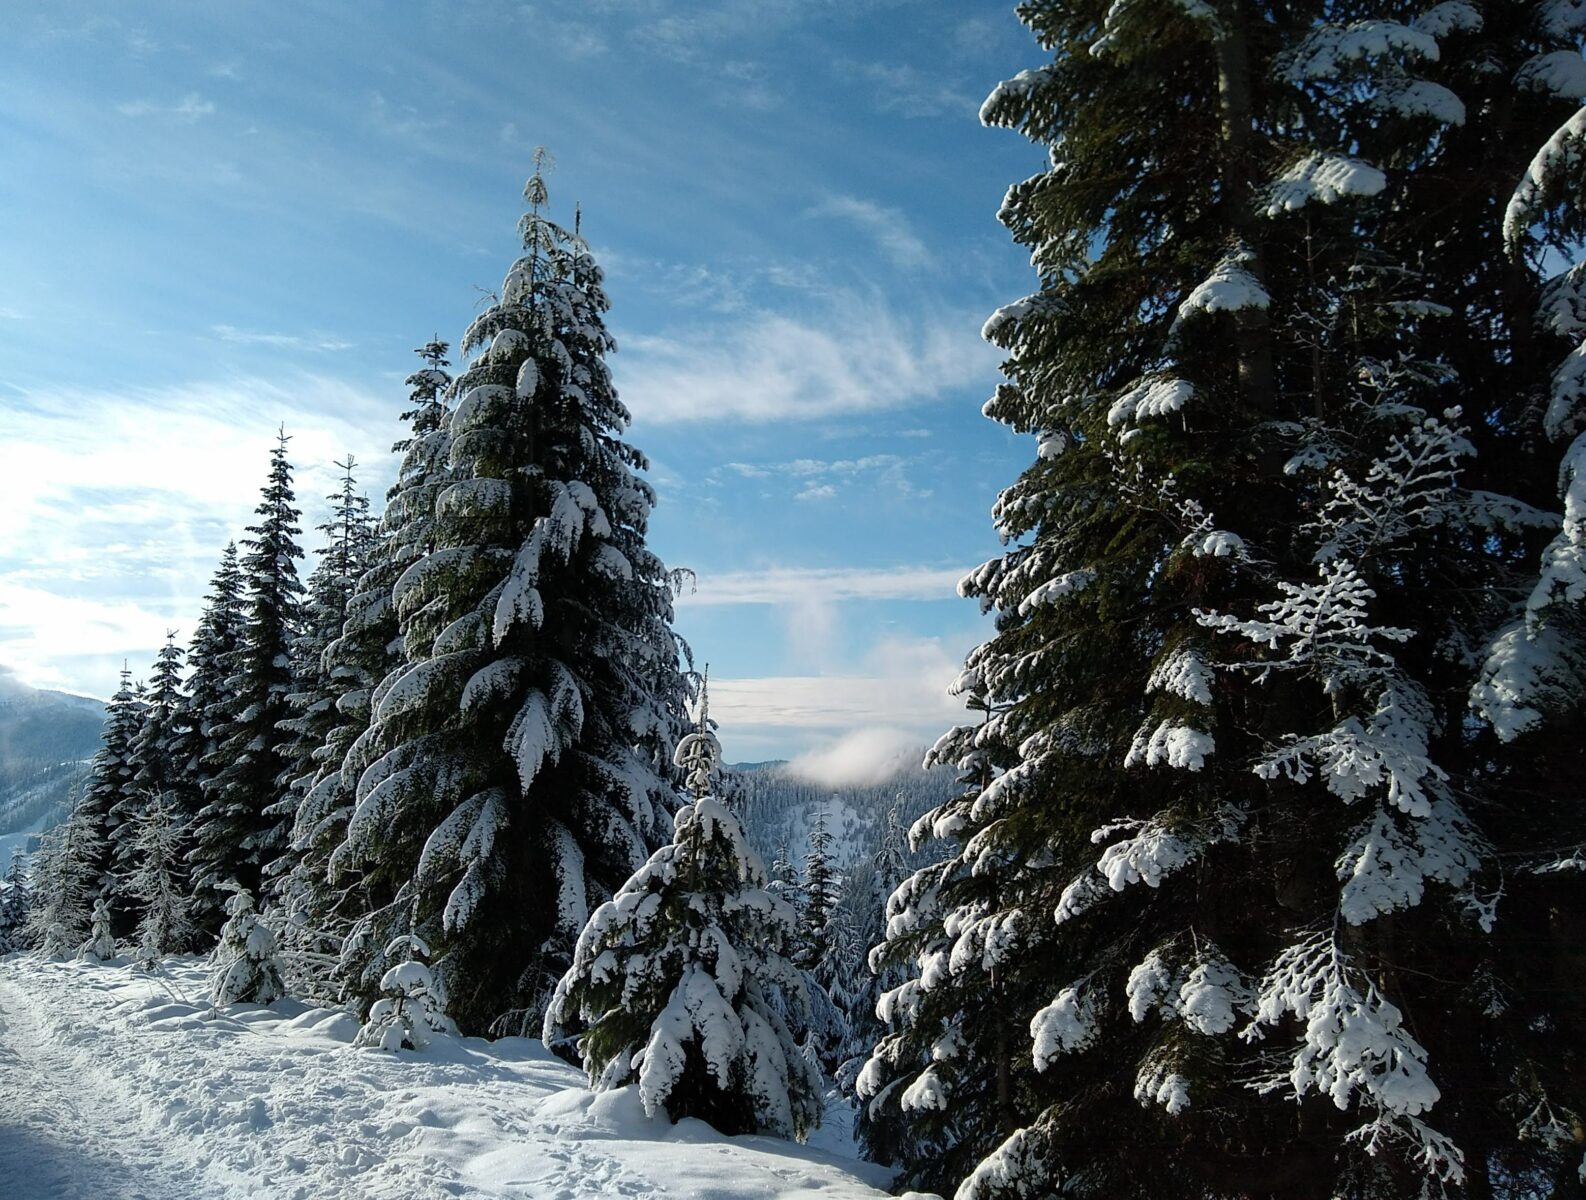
[[218, 218]]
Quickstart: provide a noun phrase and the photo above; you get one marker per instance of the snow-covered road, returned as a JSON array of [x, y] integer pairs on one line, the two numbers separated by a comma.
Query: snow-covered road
[[115, 1085]]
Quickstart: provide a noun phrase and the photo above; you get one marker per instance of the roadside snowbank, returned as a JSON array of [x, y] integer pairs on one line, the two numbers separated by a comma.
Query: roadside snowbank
[[117, 1085]]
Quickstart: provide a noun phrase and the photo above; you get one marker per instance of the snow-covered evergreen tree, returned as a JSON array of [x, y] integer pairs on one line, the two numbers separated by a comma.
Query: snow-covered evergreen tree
[[246, 969], [65, 883], [212, 663], [16, 901], [158, 882], [784, 880], [111, 790], [517, 766], [1228, 662], [818, 891], [323, 897], [101, 942], [318, 682], [232, 835], [165, 743], [680, 983], [163, 747], [412, 1004]]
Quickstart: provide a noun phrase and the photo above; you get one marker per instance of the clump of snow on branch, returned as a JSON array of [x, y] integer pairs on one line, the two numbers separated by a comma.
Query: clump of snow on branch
[[1229, 288], [1066, 1025], [1182, 673], [1355, 1049], [1322, 179], [1329, 49], [1556, 167], [1055, 589], [1124, 13], [1156, 396], [1560, 73], [1170, 743]]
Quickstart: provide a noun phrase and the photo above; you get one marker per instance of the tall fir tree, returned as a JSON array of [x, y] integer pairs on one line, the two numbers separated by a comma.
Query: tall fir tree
[[233, 836], [319, 682], [817, 891], [16, 901], [212, 661], [324, 893], [162, 750], [110, 794], [64, 883], [158, 882], [1228, 662], [517, 767]]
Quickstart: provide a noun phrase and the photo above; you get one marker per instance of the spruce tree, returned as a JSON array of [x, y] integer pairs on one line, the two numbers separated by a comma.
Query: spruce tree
[[158, 882], [324, 895], [412, 1004], [16, 901], [64, 885], [516, 768], [233, 836], [680, 982], [1228, 662], [318, 684], [162, 749], [818, 891], [213, 661], [111, 795]]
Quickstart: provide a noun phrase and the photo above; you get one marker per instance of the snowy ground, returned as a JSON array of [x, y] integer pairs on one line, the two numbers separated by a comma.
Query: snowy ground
[[118, 1085]]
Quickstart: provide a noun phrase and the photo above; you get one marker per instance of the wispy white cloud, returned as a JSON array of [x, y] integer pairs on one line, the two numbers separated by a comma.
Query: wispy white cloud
[[284, 341], [888, 227], [190, 108], [804, 468], [114, 505], [857, 719], [854, 357], [820, 477], [403, 122], [7, 313], [789, 585], [77, 643], [910, 92]]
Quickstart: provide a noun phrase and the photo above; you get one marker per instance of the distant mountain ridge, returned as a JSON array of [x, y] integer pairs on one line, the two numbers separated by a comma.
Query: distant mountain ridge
[[45, 738], [779, 807]]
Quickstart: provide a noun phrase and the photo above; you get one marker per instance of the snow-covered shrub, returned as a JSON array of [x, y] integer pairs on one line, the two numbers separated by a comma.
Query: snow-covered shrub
[[246, 968]]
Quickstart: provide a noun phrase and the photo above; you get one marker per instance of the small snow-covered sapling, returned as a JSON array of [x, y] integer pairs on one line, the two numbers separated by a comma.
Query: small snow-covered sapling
[[413, 1007], [247, 970], [101, 943]]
